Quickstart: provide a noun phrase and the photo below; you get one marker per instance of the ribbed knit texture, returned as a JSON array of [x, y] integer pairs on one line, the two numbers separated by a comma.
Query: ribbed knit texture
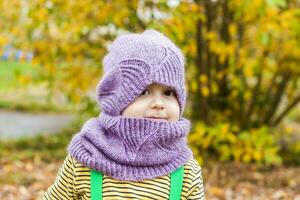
[[132, 149], [135, 148]]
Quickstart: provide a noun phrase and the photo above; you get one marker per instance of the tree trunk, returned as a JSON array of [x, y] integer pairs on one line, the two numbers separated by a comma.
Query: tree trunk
[[200, 106]]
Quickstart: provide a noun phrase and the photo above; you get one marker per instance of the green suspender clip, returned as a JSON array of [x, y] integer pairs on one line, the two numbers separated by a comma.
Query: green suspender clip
[[175, 188]]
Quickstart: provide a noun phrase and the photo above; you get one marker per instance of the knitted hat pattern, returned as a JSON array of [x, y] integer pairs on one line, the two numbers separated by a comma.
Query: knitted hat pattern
[[133, 62]]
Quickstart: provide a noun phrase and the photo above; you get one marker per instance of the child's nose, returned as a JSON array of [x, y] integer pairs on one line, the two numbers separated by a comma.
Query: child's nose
[[157, 103]]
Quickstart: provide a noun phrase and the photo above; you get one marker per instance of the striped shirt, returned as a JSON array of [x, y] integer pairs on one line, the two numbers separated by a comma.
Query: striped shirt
[[73, 182]]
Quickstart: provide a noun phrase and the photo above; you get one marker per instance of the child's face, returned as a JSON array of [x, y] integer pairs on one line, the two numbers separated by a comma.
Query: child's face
[[155, 101]]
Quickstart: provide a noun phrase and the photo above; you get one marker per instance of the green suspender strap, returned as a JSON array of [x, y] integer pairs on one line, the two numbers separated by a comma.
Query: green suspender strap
[[176, 184], [175, 188], [96, 185]]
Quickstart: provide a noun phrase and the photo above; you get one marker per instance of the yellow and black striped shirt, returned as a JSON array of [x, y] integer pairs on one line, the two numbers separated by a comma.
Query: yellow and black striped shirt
[[73, 182]]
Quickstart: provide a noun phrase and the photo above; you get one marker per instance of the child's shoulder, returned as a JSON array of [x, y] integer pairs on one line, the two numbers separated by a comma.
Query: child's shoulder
[[193, 164], [192, 167], [75, 164]]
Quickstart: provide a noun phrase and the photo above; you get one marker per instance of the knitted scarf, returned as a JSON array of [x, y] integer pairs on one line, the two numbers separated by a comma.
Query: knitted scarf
[[132, 149]]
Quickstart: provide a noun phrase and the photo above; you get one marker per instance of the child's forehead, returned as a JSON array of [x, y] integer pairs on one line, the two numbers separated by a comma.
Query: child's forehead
[[158, 85]]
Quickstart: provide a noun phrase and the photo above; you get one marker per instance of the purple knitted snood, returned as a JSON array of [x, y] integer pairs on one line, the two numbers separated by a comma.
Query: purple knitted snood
[[128, 148], [132, 149]]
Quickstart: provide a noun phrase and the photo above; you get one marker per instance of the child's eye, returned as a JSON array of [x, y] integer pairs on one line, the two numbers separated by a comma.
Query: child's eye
[[170, 93], [144, 92]]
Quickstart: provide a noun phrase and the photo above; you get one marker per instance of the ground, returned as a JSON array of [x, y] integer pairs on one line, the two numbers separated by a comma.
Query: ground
[[29, 178]]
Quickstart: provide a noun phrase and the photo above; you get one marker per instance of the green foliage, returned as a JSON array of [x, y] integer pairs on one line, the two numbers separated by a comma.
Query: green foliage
[[255, 145]]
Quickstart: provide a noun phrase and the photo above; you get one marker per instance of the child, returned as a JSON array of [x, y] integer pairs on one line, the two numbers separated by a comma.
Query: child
[[137, 147]]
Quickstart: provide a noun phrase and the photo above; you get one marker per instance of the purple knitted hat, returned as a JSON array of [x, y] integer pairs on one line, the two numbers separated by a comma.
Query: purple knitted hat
[[133, 62]]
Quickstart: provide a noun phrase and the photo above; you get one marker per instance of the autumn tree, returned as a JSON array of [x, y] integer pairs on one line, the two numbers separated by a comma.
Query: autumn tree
[[242, 57]]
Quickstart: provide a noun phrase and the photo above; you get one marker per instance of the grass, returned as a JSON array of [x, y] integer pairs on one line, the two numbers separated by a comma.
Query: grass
[[46, 147], [10, 69], [10, 85], [34, 107]]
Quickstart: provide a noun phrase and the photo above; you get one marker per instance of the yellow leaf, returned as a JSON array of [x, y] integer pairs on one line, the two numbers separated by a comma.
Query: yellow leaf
[[3, 41], [194, 86], [214, 88], [224, 130], [247, 158], [192, 48], [257, 155], [23, 80], [211, 36], [248, 71], [216, 191], [247, 95], [232, 29], [203, 78], [204, 91], [237, 154]]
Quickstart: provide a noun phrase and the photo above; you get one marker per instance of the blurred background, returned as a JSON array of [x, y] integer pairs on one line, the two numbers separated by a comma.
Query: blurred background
[[242, 76]]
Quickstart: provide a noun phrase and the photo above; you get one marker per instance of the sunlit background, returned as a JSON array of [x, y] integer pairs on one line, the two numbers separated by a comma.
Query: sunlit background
[[242, 76]]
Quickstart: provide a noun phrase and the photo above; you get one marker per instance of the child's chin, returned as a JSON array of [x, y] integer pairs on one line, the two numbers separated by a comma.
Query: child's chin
[[157, 119]]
